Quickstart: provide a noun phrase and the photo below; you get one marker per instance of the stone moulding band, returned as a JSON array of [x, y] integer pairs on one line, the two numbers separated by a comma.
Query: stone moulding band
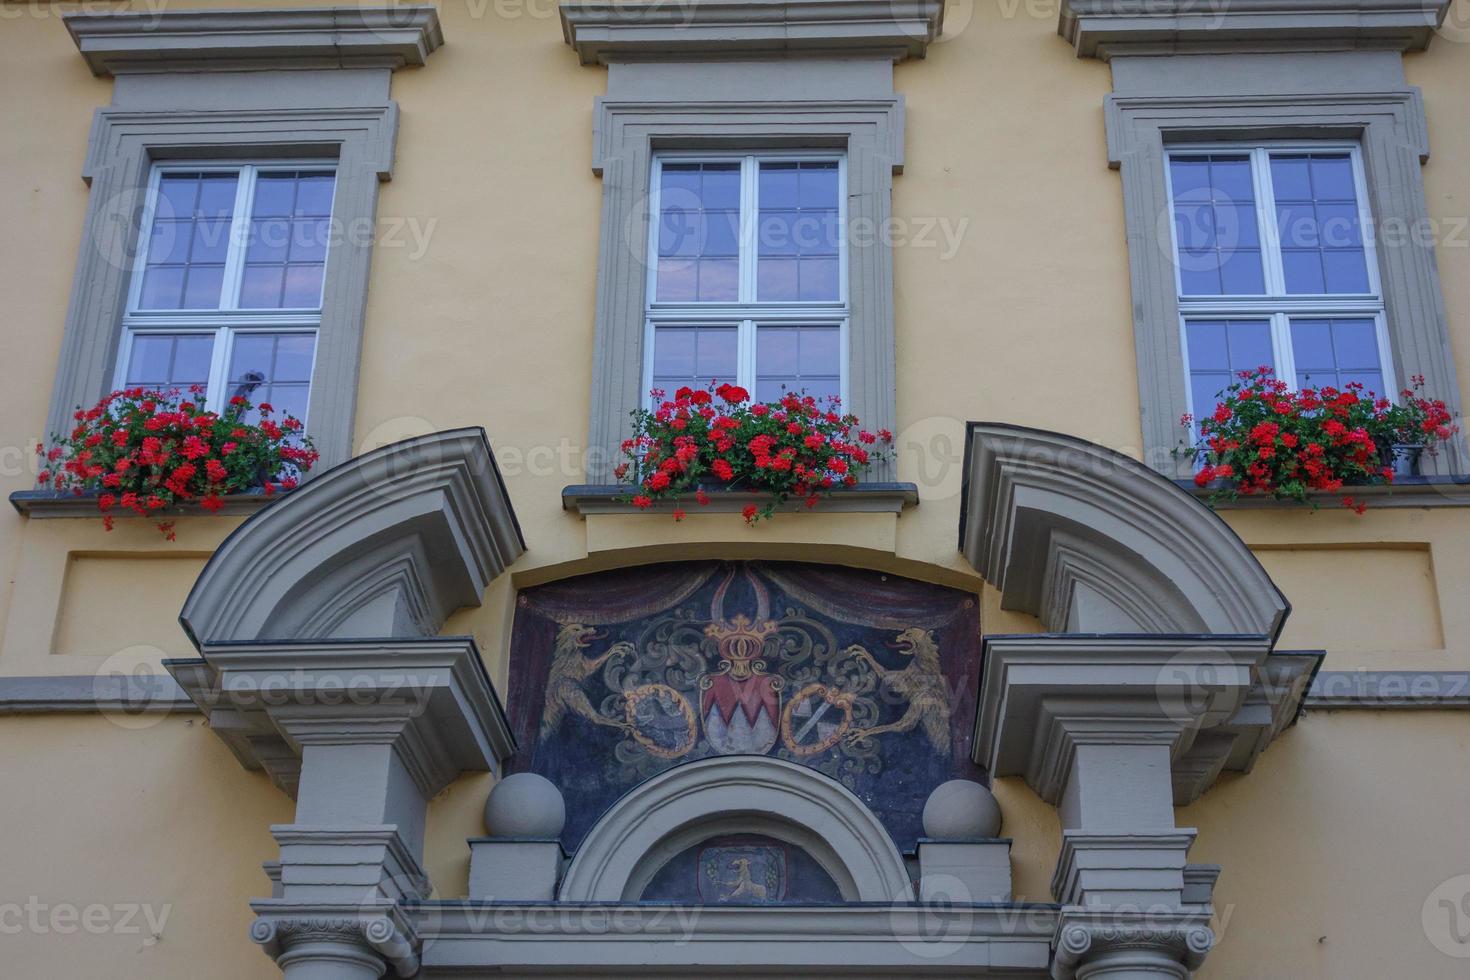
[[1107, 28], [315, 37], [651, 30]]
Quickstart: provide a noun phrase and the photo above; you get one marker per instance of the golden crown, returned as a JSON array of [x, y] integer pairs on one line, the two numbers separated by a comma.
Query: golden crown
[[740, 640]]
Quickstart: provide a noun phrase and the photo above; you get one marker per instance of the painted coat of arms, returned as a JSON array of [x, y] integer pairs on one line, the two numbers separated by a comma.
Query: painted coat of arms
[[615, 677]]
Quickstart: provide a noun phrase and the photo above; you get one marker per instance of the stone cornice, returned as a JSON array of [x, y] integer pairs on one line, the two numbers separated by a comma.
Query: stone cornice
[[603, 32], [1216, 702], [1043, 695], [1106, 28], [888, 938], [430, 698], [221, 40]]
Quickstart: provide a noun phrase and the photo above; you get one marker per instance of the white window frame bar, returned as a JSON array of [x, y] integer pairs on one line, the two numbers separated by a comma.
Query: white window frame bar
[[1276, 305], [746, 314], [228, 321]]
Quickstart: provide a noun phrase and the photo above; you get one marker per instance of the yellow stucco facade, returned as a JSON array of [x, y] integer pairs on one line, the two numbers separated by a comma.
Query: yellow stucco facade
[[1331, 846]]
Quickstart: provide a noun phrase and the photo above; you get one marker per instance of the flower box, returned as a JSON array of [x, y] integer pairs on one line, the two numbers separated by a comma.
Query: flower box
[[46, 504], [716, 443], [150, 453], [865, 498], [1265, 440]]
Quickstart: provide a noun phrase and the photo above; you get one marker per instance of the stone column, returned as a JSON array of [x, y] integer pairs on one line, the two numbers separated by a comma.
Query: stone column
[[1095, 724]]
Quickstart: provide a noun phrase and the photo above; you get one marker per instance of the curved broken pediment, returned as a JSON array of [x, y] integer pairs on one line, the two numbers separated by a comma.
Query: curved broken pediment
[[1091, 541], [386, 545]]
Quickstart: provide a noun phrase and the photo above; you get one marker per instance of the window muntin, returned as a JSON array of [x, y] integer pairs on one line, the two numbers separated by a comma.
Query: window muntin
[[747, 281], [1273, 267], [228, 292]]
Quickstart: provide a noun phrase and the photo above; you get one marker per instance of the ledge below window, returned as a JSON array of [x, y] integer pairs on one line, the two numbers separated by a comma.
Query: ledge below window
[[50, 503], [1406, 491], [865, 498]]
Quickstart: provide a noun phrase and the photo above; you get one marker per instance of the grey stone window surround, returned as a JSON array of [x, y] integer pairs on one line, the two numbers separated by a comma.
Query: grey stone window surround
[[747, 76], [626, 137], [123, 148], [1389, 125], [252, 85]]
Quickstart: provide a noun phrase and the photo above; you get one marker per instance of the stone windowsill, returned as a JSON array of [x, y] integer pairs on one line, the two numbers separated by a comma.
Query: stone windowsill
[[869, 498], [51, 503], [1406, 491]]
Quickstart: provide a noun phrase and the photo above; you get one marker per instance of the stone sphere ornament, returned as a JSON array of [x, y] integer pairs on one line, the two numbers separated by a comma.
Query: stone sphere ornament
[[525, 805], [961, 809]]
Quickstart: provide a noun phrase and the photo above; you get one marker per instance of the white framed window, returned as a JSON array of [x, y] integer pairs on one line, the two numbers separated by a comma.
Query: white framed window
[[1274, 265], [747, 273], [227, 289]]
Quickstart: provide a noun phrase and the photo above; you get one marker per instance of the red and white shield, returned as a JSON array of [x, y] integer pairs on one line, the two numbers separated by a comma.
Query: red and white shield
[[740, 714]]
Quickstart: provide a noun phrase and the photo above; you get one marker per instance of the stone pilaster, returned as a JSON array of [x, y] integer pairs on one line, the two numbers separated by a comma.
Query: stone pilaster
[[379, 727], [1096, 725]]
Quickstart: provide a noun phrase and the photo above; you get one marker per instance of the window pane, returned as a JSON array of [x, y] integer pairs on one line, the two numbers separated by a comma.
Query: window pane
[[1240, 272], [303, 286], [695, 357], [719, 280], [1218, 351], [261, 287], [1334, 352], [1216, 233], [190, 233], [819, 279], [217, 195], [169, 242], [177, 195], [168, 360], [1206, 340], [1303, 271], [211, 242], [1290, 178], [798, 359], [1332, 177], [289, 237], [163, 288], [309, 239], [1318, 221], [1345, 270], [270, 240], [779, 186], [715, 354], [698, 233], [272, 369], [314, 193], [1205, 388], [293, 356], [799, 216], [202, 288], [275, 195]]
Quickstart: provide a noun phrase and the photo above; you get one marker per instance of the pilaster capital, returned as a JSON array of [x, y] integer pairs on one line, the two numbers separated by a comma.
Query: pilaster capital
[[1167, 943], [368, 937]]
